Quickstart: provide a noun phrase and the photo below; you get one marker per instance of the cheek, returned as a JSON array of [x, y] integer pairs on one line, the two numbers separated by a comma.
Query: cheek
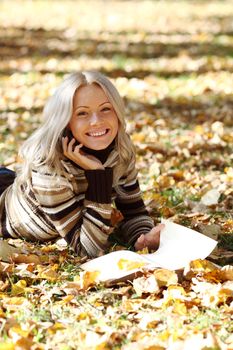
[[75, 128]]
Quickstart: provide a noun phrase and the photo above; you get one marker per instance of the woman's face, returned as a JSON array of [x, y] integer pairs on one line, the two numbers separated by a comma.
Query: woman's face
[[94, 122]]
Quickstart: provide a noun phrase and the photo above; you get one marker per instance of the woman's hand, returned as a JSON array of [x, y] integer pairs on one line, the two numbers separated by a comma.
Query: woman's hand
[[150, 239], [75, 154]]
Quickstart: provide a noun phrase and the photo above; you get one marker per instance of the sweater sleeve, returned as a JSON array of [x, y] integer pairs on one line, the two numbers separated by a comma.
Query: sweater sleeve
[[130, 203], [83, 220], [96, 226]]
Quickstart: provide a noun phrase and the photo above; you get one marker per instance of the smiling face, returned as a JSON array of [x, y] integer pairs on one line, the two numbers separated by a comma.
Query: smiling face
[[94, 122]]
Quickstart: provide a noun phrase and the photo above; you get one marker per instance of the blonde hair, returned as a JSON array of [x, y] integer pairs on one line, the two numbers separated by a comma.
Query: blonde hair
[[44, 145]]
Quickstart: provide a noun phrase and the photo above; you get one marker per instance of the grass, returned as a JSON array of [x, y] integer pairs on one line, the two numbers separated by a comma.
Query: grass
[[174, 70]]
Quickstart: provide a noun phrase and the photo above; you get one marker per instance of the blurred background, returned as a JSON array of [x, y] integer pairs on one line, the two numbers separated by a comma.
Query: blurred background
[[172, 62]]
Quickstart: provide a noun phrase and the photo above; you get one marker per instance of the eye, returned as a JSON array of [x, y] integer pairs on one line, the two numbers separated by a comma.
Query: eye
[[106, 109], [82, 114]]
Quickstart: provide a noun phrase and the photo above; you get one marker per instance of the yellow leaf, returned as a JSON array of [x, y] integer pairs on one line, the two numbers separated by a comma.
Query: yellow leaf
[[131, 304], [164, 335], [86, 279], [48, 273], [224, 294], [16, 301], [198, 266], [19, 287], [172, 294], [2, 314], [176, 290], [56, 327], [179, 308], [165, 277], [102, 346], [18, 331], [83, 316], [7, 346], [66, 299], [199, 129], [24, 344], [138, 137], [128, 265], [154, 347], [143, 251]]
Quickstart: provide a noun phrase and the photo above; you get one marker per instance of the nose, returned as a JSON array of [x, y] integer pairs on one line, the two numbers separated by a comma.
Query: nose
[[94, 119]]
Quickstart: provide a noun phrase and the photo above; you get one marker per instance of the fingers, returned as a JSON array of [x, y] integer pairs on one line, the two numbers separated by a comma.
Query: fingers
[[150, 240], [73, 153], [140, 243], [64, 144], [78, 147], [141, 239], [160, 227], [68, 147]]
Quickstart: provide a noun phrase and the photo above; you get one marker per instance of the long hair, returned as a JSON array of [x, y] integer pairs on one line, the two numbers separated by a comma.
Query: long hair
[[44, 146]]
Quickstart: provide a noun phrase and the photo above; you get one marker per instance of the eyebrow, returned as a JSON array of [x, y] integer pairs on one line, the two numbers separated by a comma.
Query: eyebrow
[[88, 107]]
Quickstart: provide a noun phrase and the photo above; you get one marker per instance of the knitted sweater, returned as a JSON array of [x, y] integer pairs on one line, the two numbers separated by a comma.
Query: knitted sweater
[[76, 205]]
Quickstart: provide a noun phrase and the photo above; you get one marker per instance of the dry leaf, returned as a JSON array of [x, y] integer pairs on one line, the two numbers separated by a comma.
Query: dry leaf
[[145, 285], [198, 266], [211, 197], [7, 251], [86, 279], [7, 346], [27, 259], [128, 265], [48, 273], [165, 277]]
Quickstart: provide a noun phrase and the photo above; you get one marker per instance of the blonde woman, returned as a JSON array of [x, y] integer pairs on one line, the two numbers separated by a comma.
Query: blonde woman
[[76, 165]]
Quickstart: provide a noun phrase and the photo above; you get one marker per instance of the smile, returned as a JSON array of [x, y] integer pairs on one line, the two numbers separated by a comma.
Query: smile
[[98, 133]]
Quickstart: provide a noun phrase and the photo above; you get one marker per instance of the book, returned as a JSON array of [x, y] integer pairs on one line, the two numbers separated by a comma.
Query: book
[[178, 246]]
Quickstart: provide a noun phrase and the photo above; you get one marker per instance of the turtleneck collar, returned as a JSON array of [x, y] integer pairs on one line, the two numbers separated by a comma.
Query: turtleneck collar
[[102, 154]]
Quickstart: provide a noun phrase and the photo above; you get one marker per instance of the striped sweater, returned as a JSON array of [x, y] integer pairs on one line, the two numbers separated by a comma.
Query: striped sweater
[[76, 205]]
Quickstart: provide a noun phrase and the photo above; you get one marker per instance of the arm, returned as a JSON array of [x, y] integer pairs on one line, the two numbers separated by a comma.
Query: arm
[[83, 220], [129, 201]]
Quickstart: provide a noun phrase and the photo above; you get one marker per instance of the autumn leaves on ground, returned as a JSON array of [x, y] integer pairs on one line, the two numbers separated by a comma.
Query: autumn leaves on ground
[[172, 61]]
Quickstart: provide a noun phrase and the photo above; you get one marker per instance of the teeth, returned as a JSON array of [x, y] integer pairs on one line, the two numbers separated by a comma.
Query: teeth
[[100, 133]]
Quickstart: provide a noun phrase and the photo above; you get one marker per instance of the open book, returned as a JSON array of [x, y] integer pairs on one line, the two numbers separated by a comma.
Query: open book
[[178, 246]]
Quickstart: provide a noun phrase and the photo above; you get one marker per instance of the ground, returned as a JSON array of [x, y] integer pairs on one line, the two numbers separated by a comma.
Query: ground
[[172, 62]]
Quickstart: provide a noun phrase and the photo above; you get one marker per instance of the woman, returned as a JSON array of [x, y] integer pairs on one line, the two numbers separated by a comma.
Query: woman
[[76, 165]]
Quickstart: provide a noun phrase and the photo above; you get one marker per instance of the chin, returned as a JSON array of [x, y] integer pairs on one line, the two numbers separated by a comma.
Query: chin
[[98, 148]]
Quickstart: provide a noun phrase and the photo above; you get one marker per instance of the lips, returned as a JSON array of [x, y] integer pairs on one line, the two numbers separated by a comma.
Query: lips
[[98, 133]]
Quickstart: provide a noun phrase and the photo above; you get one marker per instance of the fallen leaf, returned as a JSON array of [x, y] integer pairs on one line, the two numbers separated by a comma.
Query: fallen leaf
[[48, 273], [7, 346], [86, 279], [198, 266], [145, 285], [27, 259], [7, 251], [211, 197], [128, 265], [165, 277]]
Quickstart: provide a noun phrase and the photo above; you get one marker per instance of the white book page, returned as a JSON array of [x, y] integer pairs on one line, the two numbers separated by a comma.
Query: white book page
[[178, 246], [108, 265]]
